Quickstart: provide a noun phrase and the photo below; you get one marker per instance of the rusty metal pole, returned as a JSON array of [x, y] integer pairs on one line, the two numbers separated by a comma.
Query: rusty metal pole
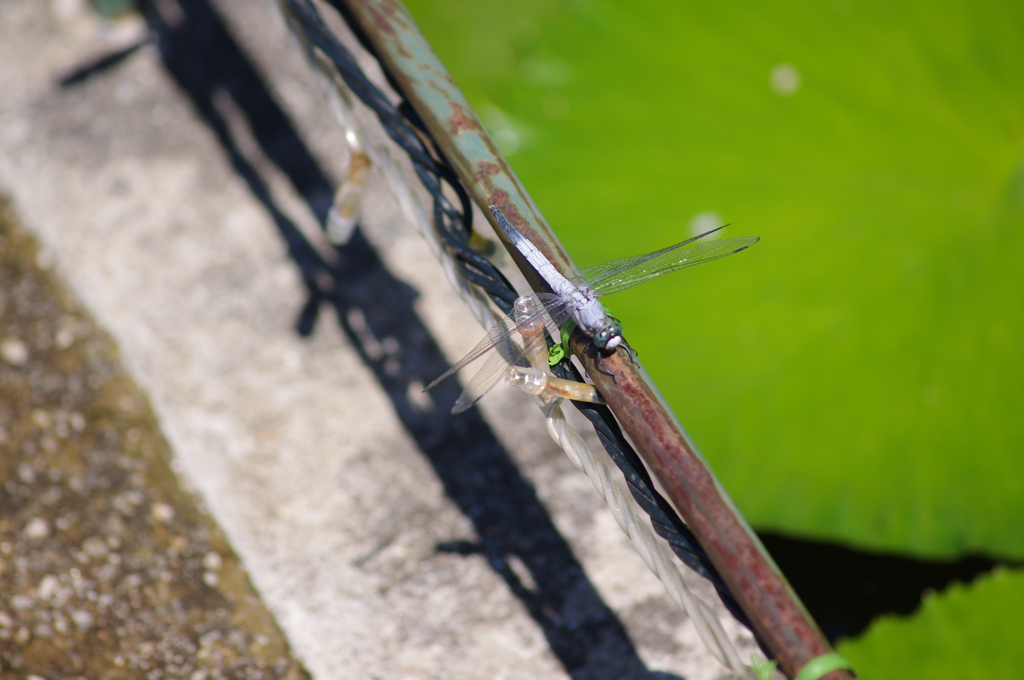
[[774, 609]]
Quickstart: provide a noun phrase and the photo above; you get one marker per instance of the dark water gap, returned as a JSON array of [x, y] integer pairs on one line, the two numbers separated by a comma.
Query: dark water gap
[[846, 589]]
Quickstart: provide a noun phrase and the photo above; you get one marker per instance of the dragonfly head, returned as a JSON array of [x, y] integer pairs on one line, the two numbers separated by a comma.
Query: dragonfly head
[[610, 336]]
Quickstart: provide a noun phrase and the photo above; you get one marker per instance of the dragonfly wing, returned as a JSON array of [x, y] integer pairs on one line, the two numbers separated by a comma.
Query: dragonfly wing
[[524, 340], [553, 310], [497, 333], [549, 307], [602, 272], [508, 352], [667, 261]]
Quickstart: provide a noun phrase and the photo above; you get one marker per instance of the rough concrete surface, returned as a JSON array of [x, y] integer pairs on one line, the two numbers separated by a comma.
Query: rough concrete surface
[[388, 539], [108, 568]]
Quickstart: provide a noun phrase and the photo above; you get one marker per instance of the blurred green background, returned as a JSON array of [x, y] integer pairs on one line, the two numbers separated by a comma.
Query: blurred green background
[[857, 376]]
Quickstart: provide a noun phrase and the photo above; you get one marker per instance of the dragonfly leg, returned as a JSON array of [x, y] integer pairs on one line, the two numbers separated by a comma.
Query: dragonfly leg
[[597, 362], [630, 352]]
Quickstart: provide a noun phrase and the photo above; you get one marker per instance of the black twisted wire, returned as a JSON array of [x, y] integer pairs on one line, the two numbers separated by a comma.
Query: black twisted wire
[[431, 169], [454, 227]]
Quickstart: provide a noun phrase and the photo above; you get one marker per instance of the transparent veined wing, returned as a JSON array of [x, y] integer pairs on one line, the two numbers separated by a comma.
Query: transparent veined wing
[[549, 307], [607, 270], [521, 361], [605, 281], [507, 352]]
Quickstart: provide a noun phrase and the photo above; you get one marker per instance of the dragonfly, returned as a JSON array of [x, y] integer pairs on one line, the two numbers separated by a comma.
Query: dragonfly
[[575, 294]]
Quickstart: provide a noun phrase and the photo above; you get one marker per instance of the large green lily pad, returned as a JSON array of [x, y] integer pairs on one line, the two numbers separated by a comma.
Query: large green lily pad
[[858, 374], [965, 633]]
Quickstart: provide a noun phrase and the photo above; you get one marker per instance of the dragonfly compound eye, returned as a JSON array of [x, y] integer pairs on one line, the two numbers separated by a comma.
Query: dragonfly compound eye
[[608, 337]]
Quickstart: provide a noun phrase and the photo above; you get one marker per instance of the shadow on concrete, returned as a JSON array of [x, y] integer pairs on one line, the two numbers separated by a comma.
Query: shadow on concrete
[[376, 312]]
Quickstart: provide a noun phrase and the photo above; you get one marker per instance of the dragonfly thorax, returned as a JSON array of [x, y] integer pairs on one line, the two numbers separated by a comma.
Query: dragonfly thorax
[[589, 314]]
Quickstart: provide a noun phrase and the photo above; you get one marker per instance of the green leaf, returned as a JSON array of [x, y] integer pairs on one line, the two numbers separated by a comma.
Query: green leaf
[[763, 669], [857, 375], [556, 353], [966, 632]]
